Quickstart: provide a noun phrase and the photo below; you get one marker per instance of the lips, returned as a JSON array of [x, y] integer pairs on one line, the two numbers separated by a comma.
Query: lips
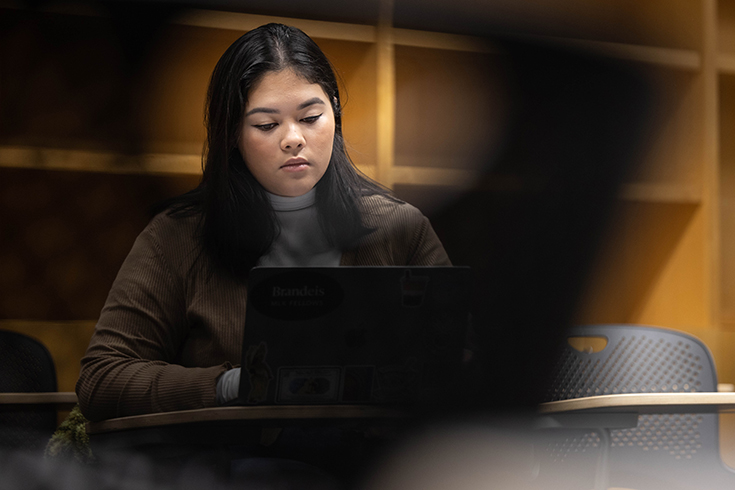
[[295, 163]]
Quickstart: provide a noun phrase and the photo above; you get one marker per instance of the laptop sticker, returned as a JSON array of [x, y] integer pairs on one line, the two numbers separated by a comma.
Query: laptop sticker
[[258, 371], [308, 384], [297, 295]]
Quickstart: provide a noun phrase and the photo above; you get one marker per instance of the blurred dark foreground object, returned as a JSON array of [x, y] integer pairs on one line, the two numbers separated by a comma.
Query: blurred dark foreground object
[[513, 453], [530, 225]]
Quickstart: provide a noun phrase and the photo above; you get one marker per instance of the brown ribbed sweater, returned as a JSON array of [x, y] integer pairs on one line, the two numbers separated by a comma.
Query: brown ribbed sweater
[[169, 330]]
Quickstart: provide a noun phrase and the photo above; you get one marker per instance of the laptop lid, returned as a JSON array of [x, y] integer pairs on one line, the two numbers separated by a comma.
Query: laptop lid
[[353, 335]]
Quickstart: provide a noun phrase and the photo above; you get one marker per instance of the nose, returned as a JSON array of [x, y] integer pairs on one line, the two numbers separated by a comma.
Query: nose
[[293, 138]]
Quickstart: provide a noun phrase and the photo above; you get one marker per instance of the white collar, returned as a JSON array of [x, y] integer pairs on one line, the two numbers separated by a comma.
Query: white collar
[[282, 203]]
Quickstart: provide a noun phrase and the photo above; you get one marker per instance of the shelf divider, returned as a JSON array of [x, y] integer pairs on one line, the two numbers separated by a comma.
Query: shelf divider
[[386, 96], [96, 161], [663, 193], [685, 59], [246, 22]]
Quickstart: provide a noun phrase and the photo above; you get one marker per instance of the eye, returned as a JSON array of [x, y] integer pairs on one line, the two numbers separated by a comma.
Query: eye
[[265, 127], [311, 119]]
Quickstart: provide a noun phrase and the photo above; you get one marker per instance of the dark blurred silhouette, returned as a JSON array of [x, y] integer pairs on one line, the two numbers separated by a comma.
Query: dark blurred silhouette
[[530, 225]]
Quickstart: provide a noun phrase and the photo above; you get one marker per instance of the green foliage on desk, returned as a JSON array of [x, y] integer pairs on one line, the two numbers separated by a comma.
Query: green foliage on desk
[[71, 441]]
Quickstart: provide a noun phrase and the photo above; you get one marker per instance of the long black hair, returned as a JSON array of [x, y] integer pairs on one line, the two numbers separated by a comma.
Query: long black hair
[[238, 224]]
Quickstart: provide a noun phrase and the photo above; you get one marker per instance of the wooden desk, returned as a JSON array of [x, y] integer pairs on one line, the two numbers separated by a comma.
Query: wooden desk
[[641, 403], [622, 411], [255, 415], [632, 404], [214, 436], [64, 400]]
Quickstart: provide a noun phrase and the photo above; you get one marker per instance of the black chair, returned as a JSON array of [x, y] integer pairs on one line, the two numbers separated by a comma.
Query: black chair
[[26, 366], [669, 451]]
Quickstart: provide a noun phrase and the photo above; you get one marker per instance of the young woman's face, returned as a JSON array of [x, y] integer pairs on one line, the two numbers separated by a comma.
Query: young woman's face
[[287, 133]]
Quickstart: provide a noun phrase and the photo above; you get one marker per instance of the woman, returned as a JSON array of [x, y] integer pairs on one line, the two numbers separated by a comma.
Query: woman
[[278, 189]]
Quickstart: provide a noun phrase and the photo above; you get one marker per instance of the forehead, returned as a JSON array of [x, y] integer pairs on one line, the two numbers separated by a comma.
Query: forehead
[[283, 87]]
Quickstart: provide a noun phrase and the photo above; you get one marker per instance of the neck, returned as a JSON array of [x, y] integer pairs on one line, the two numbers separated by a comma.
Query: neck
[[283, 203]]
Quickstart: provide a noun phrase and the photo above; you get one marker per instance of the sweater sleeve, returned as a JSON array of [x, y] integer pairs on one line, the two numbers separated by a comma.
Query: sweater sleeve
[[426, 249], [401, 235], [129, 368]]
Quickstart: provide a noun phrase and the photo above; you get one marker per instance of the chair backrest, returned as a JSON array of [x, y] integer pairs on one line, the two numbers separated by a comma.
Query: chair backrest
[[636, 359], [26, 366], [642, 359]]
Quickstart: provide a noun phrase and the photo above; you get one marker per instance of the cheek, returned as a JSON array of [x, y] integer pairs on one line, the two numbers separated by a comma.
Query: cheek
[[327, 141], [252, 149]]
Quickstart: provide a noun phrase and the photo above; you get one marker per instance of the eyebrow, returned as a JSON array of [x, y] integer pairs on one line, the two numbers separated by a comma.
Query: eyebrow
[[268, 110]]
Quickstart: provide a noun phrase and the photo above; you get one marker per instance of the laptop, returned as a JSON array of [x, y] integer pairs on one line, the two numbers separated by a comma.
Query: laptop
[[353, 335]]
